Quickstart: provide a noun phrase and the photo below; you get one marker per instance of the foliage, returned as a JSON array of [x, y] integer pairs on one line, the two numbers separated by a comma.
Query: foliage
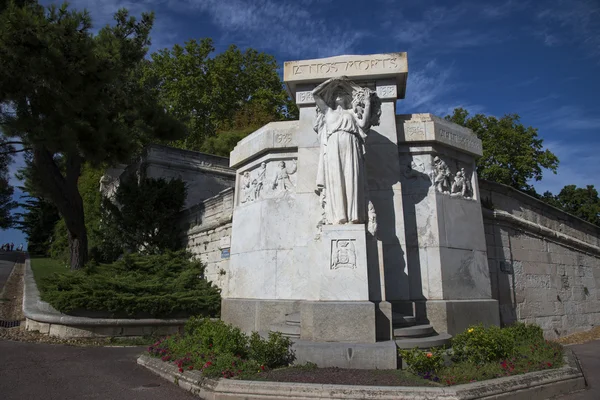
[[143, 217], [271, 352], [7, 204], [232, 91], [222, 143], [581, 202], [37, 223], [221, 350], [421, 362], [46, 267], [481, 353], [155, 286], [68, 95], [102, 243], [480, 344], [535, 356], [512, 153]]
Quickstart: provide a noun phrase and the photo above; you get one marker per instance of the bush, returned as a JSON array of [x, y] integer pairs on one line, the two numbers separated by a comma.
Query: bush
[[423, 362], [167, 285], [525, 333], [221, 350], [479, 344], [272, 352]]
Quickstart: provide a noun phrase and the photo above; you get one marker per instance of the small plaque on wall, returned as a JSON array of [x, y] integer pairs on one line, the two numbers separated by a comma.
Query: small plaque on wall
[[225, 253]]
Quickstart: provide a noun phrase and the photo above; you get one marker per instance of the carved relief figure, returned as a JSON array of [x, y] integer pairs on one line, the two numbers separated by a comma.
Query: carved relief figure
[[247, 191], [461, 185], [441, 175], [343, 254], [282, 179], [258, 182], [346, 114]]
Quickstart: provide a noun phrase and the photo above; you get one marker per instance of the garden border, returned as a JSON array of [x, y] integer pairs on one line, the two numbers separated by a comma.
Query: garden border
[[41, 316], [530, 386]]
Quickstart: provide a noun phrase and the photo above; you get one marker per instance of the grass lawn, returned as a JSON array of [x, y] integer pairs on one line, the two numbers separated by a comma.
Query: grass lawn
[[43, 267]]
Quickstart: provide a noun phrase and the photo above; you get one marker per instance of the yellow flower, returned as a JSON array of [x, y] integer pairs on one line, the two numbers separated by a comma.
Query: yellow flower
[[470, 330]]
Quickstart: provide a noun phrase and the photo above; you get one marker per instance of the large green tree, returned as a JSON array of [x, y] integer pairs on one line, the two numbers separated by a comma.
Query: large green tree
[[7, 204], [227, 94], [70, 96], [581, 202], [512, 153]]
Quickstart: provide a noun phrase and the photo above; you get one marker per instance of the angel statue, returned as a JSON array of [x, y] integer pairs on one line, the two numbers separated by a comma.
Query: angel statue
[[345, 115]]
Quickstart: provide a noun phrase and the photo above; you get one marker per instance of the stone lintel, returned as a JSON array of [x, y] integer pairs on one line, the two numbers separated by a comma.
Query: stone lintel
[[274, 135], [430, 128], [371, 67]]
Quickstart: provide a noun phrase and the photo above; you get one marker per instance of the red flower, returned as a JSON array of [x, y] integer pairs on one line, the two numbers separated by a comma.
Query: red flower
[[180, 369], [191, 367], [262, 367], [549, 364]]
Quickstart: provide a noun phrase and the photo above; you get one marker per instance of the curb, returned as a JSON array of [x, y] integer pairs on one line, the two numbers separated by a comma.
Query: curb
[[40, 314], [531, 386]]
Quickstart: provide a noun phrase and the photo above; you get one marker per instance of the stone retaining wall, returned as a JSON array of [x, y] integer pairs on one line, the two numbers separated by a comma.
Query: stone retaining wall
[[206, 233], [544, 263]]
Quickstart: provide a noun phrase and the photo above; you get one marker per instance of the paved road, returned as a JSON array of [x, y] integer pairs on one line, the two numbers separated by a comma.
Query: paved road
[[57, 372], [589, 357]]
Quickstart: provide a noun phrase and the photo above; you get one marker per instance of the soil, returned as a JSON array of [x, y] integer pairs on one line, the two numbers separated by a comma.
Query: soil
[[581, 337], [338, 376]]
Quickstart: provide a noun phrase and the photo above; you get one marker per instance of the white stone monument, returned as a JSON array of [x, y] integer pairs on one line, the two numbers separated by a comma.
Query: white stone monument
[[353, 214]]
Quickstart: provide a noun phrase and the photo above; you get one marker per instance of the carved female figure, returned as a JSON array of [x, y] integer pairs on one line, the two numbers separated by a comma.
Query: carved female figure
[[347, 113]]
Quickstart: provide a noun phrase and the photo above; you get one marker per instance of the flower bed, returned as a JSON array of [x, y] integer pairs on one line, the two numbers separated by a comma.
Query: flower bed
[[482, 353], [220, 350]]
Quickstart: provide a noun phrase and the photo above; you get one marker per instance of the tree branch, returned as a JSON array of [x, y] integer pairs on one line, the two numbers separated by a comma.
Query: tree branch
[[11, 143], [3, 153]]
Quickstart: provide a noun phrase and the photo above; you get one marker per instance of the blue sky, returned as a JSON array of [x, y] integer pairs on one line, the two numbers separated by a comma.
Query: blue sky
[[539, 59]]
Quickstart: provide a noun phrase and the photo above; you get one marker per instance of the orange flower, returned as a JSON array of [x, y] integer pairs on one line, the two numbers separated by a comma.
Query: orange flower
[[429, 355]]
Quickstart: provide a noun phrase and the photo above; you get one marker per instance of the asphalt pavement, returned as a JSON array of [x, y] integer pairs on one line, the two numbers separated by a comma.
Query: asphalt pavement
[[7, 261]]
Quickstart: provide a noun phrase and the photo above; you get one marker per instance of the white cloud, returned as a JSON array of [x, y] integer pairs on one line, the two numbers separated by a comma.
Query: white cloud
[[578, 166], [574, 22], [432, 89], [290, 27]]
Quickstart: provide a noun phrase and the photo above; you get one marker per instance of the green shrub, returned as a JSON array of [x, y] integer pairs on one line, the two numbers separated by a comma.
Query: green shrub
[[272, 352], [217, 336], [420, 362], [221, 350], [479, 344], [525, 333], [136, 286]]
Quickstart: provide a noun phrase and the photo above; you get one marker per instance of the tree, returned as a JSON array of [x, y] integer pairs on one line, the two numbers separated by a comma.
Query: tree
[[581, 202], [6, 190], [232, 91], [68, 96], [512, 153], [144, 215]]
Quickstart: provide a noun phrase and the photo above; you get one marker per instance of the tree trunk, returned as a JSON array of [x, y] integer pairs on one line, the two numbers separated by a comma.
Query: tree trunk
[[64, 193]]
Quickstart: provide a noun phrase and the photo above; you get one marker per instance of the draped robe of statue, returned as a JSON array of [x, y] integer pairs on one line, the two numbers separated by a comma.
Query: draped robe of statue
[[343, 168]]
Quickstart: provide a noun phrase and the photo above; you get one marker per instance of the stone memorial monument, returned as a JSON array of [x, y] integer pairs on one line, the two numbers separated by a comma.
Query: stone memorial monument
[[354, 229]]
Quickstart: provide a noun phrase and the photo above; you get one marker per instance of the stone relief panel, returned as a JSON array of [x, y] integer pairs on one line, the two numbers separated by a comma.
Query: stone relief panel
[[343, 254], [454, 184], [270, 179]]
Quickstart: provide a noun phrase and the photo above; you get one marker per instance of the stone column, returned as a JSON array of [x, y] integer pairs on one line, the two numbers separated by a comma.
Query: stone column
[[447, 260]]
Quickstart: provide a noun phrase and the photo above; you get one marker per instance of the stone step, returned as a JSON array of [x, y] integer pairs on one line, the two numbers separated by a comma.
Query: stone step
[[291, 331], [401, 320], [292, 319], [443, 339], [415, 331]]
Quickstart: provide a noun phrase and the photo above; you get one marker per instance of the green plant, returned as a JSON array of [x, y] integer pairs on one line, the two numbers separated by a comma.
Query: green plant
[[276, 351], [135, 286], [479, 344], [422, 362], [525, 333], [217, 336]]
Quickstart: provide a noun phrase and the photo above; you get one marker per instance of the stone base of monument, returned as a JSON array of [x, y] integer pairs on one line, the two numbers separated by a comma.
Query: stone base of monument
[[455, 316]]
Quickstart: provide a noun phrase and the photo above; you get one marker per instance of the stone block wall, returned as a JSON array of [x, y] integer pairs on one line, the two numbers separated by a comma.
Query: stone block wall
[[544, 263], [206, 233]]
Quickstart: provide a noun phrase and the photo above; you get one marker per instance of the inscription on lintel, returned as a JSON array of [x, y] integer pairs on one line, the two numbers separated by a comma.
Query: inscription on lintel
[[345, 66]]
